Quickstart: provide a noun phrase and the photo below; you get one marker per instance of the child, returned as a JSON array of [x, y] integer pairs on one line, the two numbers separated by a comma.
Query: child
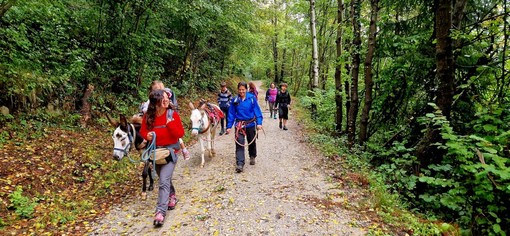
[[224, 97], [155, 85]]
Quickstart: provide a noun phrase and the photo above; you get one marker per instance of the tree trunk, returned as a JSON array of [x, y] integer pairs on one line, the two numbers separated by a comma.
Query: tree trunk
[[282, 70], [369, 83], [315, 61], [347, 48], [445, 76], [501, 94], [284, 51], [338, 71], [275, 43], [353, 111], [85, 108]]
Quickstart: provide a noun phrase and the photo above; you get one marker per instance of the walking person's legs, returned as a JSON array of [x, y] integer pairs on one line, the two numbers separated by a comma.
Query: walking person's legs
[[225, 119], [240, 151], [285, 117], [165, 173], [252, 148], [280, 115], [271, 110]]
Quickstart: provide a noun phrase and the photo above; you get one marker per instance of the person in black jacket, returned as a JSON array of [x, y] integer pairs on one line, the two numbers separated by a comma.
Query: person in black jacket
[[282, 103]]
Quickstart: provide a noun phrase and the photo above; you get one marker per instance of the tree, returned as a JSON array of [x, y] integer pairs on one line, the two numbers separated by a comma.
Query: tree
[[315, 61], [338, 70], [369, 83], [275, 42], [353, 111]]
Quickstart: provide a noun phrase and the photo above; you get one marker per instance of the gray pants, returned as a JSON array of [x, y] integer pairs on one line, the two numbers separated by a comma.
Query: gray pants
[[166, 187], [272, 111]]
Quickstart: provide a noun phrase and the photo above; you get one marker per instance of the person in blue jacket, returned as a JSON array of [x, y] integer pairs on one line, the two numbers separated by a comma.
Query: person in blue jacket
[[245, 113]]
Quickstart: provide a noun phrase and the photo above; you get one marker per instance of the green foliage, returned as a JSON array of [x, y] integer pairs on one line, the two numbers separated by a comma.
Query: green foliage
[[325, 108], [472, 180], [23, 205]]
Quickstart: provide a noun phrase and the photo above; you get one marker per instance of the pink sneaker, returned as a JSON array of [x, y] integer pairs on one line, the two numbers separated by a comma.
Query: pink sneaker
[[158, 219], [185, 154], [172, 201]]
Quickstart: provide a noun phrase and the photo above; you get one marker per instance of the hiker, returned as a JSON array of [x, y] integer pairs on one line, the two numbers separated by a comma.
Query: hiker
[[271, 98], [157, 84], [167, 130], [244, 112], [282, 103], [253, 90], [224, 97]]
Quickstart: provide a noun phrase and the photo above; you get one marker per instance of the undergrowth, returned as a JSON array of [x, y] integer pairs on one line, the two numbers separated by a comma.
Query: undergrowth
[[385, 206]]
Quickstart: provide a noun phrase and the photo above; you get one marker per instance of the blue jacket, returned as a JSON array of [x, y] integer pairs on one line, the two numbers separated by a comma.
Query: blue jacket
[[244, 110]]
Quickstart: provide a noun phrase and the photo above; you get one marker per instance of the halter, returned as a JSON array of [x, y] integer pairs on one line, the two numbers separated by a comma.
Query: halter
[[131, 134], [199, 128]]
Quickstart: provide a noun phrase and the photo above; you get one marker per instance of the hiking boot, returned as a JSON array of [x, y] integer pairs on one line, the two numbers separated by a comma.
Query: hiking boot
[[172, 201], [280, 124], [275, 117], [222, 132], [185, 154], [239, 169], [284, 127], [158, 219], [252, 160]]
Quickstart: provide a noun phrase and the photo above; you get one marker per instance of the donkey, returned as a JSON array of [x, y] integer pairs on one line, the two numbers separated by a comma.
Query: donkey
[[126, 137], [204, 121]]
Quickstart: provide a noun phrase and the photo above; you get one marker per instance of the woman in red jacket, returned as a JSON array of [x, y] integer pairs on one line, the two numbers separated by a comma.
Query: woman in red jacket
[[167, 126]]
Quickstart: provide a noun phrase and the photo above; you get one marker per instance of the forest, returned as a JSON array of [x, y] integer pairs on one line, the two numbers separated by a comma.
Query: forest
[[417, 92]]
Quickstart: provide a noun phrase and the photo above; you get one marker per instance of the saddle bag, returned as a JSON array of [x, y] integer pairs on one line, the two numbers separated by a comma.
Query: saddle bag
[[162, 156]]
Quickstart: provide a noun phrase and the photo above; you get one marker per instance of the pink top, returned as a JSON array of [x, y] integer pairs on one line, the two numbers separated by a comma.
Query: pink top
[[272, 94]]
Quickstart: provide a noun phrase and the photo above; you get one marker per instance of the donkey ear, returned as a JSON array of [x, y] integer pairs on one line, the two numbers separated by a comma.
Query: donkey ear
[[191, 106], [123, 120], [112, 122]]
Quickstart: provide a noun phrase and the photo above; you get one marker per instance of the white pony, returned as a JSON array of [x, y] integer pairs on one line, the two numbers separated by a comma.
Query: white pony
[[203, 124]]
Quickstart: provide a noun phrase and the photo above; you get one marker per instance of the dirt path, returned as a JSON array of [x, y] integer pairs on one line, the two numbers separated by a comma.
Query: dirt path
[[283, 194]]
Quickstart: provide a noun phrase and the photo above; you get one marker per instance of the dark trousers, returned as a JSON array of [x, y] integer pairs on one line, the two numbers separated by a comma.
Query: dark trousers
[[224, 121], [252, 148]]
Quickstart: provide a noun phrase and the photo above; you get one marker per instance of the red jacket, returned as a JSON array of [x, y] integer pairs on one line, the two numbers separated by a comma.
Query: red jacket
[[166, 133]]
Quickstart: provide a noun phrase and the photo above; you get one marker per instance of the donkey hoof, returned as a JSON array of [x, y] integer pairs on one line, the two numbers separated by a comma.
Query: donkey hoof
[[151, 188], [144, 196]]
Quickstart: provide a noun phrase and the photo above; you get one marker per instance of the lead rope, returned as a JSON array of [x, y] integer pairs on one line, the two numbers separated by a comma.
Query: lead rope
[[150, 151], [239, 128], [131, 137]]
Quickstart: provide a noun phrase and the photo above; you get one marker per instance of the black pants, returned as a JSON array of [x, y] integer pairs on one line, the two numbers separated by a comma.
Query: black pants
[[224, 121], [252, 148]]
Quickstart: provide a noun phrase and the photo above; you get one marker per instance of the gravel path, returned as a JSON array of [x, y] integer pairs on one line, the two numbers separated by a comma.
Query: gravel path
[[283, 194]]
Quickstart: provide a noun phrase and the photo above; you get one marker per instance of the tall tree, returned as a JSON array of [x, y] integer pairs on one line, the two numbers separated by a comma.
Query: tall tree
[[315, 62], [338, 70], [284, 50], [444, 76], [369, 82], [356, 43], [275, 41]]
